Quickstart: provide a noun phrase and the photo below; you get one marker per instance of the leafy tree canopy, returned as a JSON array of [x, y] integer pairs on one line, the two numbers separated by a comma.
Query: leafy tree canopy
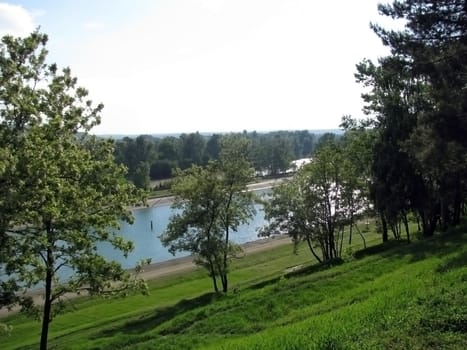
[[61, 193]]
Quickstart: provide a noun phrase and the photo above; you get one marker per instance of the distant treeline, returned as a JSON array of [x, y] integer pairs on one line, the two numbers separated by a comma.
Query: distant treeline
[[153, 158]]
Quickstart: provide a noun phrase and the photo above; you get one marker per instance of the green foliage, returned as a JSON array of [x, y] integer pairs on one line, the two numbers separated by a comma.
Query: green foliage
[[417, 95], [211, 202], [160, 169], [270, 153], [61, 189], [321, 198], [192, 148], [137, 155], [273, 154]]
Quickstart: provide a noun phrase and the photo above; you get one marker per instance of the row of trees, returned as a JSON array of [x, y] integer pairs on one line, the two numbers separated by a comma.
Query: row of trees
[[418, 96], [150, 158], [409, 157]]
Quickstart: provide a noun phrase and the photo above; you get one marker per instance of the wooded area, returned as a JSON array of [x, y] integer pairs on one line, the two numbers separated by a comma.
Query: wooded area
[[152, 158]]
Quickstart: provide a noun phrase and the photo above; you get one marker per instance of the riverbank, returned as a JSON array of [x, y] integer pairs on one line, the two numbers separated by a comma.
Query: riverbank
[[184, 264], [169, 267]]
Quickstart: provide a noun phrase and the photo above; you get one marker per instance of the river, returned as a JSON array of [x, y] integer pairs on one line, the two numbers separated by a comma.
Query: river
[[145, 235]]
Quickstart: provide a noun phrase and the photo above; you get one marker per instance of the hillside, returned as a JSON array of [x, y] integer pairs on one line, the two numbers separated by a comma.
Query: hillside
[[393, 296]]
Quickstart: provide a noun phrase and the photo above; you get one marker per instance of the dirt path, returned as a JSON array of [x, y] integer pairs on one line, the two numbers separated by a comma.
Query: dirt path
[[174, 266]]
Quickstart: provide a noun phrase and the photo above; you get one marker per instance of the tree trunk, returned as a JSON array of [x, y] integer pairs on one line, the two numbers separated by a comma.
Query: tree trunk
[[350, 229], [384, 227], [213, 275], [47, 302], [224, 262], [332, 245], [444, 217], [428, 224], [406, 225], [310, 246], [323, 241], [393, 229], [456, 217], [361, 235], [225, 283], [341, 243], [214, 283], [226, 242]]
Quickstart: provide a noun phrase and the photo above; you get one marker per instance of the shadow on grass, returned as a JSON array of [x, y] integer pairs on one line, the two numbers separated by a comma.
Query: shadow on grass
[[439, 245], [307, 270], [150, 321], [265, 283], [302, 271], [456, 262], [378, 249]]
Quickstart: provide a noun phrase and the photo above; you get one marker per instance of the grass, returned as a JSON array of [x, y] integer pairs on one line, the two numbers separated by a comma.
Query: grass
[[392, 296], [160, 193]]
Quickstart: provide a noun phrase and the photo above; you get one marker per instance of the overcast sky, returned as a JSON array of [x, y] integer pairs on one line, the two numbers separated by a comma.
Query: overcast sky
[[208, 65]]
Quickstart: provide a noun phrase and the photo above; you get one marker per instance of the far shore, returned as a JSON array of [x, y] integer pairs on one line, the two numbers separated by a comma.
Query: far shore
[[168, 200]]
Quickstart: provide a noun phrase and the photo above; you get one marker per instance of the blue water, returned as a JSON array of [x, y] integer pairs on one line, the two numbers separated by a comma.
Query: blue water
[[146, 240]]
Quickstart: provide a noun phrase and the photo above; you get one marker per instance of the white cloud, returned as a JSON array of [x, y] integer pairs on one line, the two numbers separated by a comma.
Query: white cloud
[[15, 20]]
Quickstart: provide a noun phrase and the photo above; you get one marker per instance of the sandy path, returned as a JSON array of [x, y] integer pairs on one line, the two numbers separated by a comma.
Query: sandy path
[[174, 266]]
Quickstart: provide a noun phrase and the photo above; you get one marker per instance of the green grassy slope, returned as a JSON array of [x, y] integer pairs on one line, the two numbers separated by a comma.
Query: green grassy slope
[[393, 296]]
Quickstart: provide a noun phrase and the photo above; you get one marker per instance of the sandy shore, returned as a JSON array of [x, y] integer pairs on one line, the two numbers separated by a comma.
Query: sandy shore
[[186, 263], [174, 266]]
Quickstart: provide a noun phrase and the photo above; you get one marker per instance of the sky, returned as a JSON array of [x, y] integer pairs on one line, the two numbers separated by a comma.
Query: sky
[[172, 66]]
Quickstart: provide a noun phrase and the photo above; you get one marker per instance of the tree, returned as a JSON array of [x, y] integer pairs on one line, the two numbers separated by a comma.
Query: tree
[[304, 143], [192, 149], [213, 147], [325, 139], [273, 153], [358, 149], [235, 155], [64, 192], [160, 169], [141, 176], [210, 203], [137, 155], [281, 154], [315, 205], [287, 212]]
